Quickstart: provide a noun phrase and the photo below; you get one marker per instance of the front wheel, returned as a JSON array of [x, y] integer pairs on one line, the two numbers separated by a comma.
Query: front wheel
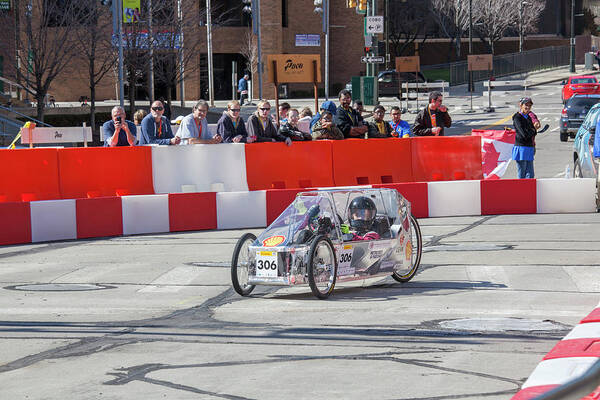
[[416, 241], [240, 263], [322, 267]]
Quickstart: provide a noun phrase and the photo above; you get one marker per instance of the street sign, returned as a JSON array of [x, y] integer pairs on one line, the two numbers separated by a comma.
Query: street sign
[[372, 59], [480, 62], [373, 25]]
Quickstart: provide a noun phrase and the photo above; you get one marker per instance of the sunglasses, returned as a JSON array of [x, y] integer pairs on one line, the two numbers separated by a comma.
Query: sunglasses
[[265, 109], [157, 108], [234, 109]]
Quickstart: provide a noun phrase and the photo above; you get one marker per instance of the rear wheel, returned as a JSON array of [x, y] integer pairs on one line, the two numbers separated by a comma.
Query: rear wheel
[[240, 264], [416, 241], [564, 136], [322, 267]]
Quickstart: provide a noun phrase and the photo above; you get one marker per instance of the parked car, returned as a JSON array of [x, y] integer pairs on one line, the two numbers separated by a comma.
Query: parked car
[[584, 84], [388, 82], [584, 165], [575, 110]]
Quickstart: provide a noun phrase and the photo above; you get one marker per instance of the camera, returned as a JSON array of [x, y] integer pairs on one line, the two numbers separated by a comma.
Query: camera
[[119, 120]]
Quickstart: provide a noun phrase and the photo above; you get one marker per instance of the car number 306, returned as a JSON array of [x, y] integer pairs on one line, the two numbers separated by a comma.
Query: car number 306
[[266, 264], [346, 258]]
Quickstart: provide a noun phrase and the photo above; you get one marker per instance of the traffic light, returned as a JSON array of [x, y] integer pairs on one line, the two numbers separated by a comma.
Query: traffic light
[[362, 5], [351, 4]]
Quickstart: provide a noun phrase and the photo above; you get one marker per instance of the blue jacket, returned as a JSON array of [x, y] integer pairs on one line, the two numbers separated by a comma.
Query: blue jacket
[[327, 105], [108, 129], [150, 133], [242, 85]]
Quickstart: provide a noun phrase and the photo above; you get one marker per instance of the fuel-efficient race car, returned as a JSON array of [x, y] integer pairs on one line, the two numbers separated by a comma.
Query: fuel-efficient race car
[[333, 235]]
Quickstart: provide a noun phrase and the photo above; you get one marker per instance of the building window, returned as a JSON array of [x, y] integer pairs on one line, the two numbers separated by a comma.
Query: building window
[[68, 12], [226, 13], [284, 13]]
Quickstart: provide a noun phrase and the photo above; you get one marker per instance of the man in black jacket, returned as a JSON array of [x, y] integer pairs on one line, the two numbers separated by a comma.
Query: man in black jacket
[[347, 119], [431, 120]]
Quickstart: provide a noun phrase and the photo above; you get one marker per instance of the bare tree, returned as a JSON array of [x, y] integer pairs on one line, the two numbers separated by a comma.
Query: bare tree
[[93, 44], [409, 22], [496, 17], [135, 56], [529, 16], [452, 17], [249, 50], [47, 42]]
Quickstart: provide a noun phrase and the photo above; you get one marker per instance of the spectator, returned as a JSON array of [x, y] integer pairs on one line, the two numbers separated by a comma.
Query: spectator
[[139, 116], [524, 148], [378, 128], [304, 121], [156, 128], [231, 125], [290, 127], [118, 131], [347, 119], [261, 126], [326, 106], [400, 128], [243, 88], [431, 120], [282, 112], [167, 108], [359, 107], [193, 128], [324, 128]]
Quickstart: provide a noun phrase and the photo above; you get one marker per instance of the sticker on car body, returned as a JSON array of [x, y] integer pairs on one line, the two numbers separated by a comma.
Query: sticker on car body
[[266, 264], [345, 260], [273, 241]]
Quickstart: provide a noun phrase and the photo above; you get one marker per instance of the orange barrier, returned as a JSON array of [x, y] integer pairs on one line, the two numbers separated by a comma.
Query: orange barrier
[[29, 175], [373, 161], [446, 158], [277, 166], [99, 171]]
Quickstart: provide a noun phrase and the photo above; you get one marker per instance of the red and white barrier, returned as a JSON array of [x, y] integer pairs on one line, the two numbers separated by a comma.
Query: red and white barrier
[[569, 359], [39, 221]]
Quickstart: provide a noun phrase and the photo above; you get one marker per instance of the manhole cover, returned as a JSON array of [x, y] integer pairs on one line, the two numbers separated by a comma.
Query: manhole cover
[[502, 324], [59, 287]]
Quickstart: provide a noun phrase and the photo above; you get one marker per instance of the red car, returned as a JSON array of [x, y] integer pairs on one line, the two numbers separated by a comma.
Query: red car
[[584, 84]]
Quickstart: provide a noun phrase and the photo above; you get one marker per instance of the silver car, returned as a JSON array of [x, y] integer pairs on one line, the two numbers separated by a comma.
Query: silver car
[[310, 243], [584, 164]]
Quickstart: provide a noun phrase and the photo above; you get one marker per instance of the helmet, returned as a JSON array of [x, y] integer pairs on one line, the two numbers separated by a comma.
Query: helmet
[[361, 213]]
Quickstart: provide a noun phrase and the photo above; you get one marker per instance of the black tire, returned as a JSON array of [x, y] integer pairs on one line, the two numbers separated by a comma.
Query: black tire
[[577, 170], [316, 269], [417, 238], [237, 267], [564, 136]]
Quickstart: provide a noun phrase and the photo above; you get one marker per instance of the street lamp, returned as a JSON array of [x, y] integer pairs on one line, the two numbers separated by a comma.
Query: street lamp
[[322, 7], [572, 58], [521, 4]]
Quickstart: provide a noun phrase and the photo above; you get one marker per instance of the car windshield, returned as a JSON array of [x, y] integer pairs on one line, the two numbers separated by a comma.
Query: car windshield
[[583, 80], [582, 102], [305, 212]]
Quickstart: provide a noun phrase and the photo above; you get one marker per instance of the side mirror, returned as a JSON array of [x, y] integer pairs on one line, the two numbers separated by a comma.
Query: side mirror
[[564, 82]]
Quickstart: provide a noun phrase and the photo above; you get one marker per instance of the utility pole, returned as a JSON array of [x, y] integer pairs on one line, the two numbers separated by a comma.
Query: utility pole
[[256, 13], [386, 17], [211, 93], [326, 23], [151, 46], [572, 58], [118, 12], [520, 26], [181, 66]]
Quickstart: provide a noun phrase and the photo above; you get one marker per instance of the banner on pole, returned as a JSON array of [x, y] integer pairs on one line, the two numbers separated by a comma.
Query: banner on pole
[[131, 11]]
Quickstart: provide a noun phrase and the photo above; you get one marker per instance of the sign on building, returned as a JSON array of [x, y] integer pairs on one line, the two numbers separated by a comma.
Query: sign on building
[[308, 40], [480, 62], [4, 4], [131, 11], [408, 64]]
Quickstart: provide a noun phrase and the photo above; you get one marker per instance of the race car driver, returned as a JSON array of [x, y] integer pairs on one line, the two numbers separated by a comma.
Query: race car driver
[[361, 216]]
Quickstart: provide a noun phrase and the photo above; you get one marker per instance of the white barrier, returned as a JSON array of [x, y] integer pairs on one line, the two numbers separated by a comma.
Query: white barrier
[[75, 134], [239, 210], [558, 371], [454, 198], [429, 85], [175, 168], [53, 220], [566, 195], [145, 214]]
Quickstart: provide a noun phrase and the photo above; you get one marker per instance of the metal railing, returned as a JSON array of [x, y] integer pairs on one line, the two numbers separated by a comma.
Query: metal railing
[[38, 122], [576, 388], [506, 64]]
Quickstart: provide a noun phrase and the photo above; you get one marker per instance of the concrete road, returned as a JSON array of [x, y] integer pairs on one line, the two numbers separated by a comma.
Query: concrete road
[[493, 295]]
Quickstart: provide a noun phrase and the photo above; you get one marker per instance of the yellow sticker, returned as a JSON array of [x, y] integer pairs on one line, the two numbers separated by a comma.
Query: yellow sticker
[[347, 246], [266, 253]]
